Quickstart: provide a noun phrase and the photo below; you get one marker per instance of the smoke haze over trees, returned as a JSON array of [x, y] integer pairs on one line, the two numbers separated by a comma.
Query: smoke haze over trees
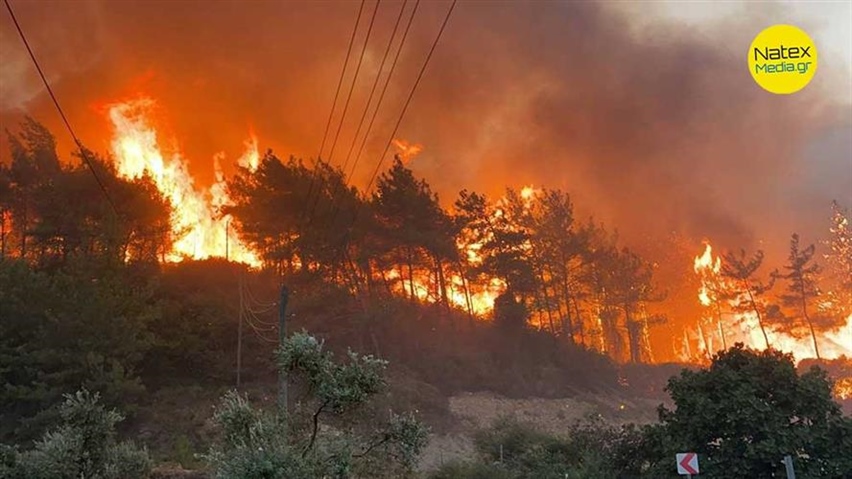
[[580, 96]]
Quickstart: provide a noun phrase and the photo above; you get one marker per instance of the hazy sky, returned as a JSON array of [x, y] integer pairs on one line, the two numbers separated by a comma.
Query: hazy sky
[[829, 23]]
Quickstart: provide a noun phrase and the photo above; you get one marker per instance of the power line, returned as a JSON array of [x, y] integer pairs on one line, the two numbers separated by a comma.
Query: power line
[[411, 95], [354, 79], [342, 75], [369, 102], [346, 105], [83, 153], [348, 180], [333, 105], [375, 83], [382, 94], [402, 113]]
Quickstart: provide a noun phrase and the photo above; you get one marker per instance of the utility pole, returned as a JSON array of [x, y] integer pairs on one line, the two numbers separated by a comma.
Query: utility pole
[[282, 336], [227, 227], [240, 333]]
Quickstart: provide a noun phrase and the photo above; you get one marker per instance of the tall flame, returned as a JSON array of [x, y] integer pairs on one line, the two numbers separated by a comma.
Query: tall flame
[[199, 229], [743, 327], [706, 268]]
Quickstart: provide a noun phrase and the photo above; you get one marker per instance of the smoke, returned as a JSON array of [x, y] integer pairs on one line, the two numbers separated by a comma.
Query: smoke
[[650, 126]]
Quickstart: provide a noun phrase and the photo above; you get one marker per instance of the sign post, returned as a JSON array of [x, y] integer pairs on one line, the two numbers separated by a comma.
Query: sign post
[[687, 464], [788, 464]]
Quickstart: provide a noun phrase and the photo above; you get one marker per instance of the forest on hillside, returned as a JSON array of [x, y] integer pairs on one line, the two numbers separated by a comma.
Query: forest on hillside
[[524, 258], [513, 295]]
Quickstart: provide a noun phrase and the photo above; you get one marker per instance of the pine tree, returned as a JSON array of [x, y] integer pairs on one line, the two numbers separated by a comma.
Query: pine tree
[[839, 260], [802, 275], [746, 291], [417, 233]]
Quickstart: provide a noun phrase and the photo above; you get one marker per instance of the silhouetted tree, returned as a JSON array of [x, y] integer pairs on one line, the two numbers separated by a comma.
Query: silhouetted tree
[[802, 292], [471, 227], [746, 291], [747, 411], [417, 232], [58, 211]]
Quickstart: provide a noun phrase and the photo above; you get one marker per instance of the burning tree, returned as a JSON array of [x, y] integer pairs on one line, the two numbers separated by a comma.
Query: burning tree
[[839, 259], [623, 286], [559, 264], [711, 292], [801, 294], [746, 293], [52, 210], [415, 231]]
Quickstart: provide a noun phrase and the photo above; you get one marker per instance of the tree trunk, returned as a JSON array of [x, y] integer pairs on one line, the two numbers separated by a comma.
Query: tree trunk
[[24, 236], [466, 287], [386, 282], [719, 321], [411, 274], [704, 339], [566, 293], [632, 336], [546, 302], [807, 318], [757, 312], [442, 284], [579, 323]]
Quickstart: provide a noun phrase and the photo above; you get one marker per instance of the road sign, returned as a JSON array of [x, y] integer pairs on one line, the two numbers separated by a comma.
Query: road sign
[[687, 463]]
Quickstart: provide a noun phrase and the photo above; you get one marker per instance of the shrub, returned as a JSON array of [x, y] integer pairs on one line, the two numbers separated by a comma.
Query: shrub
[[84, 445], [257, 444]]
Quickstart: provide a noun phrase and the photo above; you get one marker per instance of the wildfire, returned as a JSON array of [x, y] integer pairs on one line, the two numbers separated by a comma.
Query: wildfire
[[706, 268], [528, 193], [743, 327], [200, 231], [843, 388]]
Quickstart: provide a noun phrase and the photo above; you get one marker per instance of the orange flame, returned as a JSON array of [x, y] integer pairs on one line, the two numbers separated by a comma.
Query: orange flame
[[528, 193], [200, 231], [743, 327], [706, 267], [843, 388]]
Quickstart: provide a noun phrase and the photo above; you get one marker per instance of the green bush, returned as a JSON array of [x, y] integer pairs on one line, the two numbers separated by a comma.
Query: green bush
[[589, 450], [257, 444], [84, 445], [748, 410]]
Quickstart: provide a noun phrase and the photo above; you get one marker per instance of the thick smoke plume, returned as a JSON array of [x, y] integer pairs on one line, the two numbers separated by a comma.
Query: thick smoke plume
[[653, 128]]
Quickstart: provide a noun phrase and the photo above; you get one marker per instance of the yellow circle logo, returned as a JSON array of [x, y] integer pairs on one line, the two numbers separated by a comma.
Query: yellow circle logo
[[782, 59]]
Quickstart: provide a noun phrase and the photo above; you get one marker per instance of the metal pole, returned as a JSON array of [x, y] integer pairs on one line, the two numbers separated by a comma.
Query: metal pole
[[282, 336]]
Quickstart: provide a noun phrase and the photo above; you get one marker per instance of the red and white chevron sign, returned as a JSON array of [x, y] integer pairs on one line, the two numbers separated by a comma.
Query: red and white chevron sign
[[687, 463]]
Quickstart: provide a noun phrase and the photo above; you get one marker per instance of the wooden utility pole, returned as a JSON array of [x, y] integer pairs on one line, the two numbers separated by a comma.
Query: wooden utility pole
[[240, 333], [282, 336]]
